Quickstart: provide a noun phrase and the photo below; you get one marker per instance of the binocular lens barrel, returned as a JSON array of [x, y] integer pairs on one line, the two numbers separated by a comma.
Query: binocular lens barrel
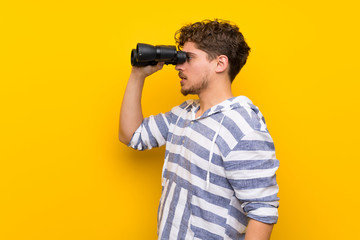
[[146, 54]]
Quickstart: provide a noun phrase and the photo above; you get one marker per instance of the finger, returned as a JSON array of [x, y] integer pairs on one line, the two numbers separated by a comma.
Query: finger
[[160, 65]]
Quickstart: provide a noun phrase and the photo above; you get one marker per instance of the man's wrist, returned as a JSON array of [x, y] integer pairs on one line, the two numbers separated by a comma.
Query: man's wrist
[[139, 75]]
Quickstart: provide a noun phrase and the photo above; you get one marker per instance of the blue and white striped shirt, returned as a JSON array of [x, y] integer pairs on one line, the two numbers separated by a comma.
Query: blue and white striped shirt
[[219, 169]]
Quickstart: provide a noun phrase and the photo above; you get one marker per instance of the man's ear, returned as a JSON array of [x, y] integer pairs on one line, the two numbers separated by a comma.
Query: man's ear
[[222, 63]]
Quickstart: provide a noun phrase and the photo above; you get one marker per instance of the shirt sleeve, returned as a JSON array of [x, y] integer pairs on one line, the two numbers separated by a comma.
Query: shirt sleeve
[[251, 169], [152, 132]]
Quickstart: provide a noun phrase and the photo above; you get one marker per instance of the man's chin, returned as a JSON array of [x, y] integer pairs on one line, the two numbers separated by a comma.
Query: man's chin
[[186, 92]]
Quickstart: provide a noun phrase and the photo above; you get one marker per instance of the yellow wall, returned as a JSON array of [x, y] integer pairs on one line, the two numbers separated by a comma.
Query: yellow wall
[[64, 67]]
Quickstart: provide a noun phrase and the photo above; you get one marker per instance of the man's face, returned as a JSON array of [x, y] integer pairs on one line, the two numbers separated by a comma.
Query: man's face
[[196, 72]]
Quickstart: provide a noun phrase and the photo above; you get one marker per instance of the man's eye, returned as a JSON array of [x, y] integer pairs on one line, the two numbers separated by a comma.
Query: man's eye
[[188, 58]]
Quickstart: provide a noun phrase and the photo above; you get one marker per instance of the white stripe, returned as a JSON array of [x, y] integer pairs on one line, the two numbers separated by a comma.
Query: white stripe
[[264, 212], [196, 159], [201, 203], [162, 197], [250, 155], [208, 226], [178, 131], [166, 208], [166, 159], [196, 181], [165, 120], [178, 214], [189, 232], [249, 111], [199, 139], [237, 204], [251, 174], [273, 204], [156, 132], [145, 138], [203, 164], [224, 133], [257, 192], [240, 121], [263, 125], [257, 135], [135, 139], [233, 222]]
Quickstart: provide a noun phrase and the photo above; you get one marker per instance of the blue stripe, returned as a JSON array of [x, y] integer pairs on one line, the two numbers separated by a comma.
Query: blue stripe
[[268, 219], [169, 116], [208, 216], [251, 164], [233, 234], [185, 104], [198, 192], [253, 206], [263, 119], [152, 139], [235, 213], [253, 183], [181, 123], [205, 131], [270, 198], [161, 125], [166, 196], [143, 146], [218, 108], [254, 145], [171, 213], [251, 120], [233, 128], [197, 149], [203, 234], [191, 145], [197, 171], [224, 148], [185, 219], [217, 160], [254, 108]]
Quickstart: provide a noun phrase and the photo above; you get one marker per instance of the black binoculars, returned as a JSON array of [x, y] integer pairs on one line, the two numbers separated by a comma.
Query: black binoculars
[[146, 54]]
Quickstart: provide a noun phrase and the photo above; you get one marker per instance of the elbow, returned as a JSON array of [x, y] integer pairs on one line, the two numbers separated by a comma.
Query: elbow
[[123, 138]]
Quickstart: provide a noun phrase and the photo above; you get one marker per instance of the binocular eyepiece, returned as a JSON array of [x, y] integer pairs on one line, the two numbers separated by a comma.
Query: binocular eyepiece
[[146, 54]]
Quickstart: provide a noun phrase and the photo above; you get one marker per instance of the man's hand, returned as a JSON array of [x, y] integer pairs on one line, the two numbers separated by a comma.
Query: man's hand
[[143, 72]]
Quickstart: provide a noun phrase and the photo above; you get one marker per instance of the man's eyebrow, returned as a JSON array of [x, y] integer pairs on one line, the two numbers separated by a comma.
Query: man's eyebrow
[[190, 53]]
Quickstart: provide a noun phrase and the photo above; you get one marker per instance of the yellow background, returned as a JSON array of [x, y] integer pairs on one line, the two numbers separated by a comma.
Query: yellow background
[[64, 68]]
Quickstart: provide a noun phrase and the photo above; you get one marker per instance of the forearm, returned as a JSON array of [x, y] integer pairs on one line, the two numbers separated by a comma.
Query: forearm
[[131, 113], [258, 231]]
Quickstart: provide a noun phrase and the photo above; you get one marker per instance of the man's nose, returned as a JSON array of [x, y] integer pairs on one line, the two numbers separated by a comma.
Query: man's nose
[[179, 66]]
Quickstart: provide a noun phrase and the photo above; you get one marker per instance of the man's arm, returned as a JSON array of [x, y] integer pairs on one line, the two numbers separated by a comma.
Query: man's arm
[[131, 112], [258, 231], [252, 163]]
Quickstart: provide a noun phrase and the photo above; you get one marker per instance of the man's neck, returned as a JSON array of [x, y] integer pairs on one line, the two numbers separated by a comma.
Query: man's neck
[[212, 96]]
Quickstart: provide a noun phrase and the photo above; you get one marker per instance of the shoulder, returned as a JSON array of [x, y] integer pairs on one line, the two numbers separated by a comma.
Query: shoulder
[[247, 117]]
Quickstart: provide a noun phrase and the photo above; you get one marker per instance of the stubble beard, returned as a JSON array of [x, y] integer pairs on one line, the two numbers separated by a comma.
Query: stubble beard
[[196, 89]]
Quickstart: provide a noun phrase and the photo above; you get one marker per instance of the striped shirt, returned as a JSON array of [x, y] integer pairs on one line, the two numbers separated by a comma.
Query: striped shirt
[[219, 169]]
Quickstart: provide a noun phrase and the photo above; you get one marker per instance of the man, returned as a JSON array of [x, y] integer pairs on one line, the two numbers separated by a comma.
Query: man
[[219, 172]]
